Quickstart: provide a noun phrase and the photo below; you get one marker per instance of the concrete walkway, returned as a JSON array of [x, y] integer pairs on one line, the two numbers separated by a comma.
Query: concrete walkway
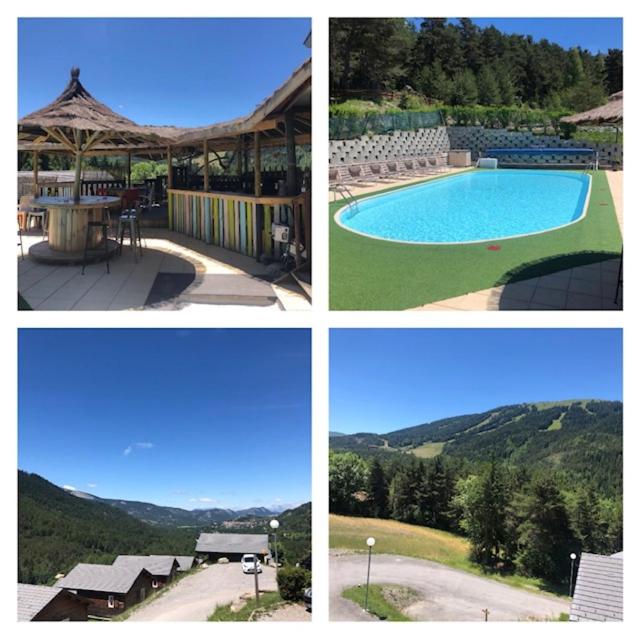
[[446, 594], [175, 273]]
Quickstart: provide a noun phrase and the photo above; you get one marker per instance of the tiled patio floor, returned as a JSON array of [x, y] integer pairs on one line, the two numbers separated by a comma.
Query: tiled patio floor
[[220, 277], [588, 287]]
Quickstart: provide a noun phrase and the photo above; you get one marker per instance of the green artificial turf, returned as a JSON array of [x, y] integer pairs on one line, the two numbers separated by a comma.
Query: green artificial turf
[[370, 274]]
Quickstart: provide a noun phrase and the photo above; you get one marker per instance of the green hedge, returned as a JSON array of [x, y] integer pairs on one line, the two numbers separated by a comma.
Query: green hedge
[[292, 581]]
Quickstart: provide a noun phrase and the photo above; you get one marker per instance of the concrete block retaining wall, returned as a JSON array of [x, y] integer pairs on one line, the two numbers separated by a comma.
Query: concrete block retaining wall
[[440, 139]]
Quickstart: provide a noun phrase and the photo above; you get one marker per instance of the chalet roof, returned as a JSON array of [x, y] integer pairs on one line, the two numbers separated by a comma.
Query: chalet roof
[[609, 113], [32, 599], [598, 594], [233, 543], [100, 577], [156, 564], [185, 562]]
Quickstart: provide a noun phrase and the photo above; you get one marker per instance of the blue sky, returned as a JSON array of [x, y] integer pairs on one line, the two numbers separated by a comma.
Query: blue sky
[[593, 34], [187, 418], [386, 379], [185, 72]]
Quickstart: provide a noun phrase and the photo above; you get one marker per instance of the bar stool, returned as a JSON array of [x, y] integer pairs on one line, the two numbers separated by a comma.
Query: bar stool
[[104, 225], [130, 220]]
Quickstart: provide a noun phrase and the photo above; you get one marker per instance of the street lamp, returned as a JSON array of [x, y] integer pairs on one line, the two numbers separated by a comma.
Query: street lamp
[[370, 543], [573, 561], [274, 524]]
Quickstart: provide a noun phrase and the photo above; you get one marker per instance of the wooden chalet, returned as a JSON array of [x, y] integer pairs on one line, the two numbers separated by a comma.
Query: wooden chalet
[[213, 546], [109, 590], [185, 562], [49, 604]]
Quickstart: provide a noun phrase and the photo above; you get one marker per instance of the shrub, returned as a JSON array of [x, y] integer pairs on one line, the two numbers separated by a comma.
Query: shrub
[[292, 580]]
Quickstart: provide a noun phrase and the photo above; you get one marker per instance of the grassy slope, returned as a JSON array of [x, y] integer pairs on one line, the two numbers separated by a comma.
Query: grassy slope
[[397, 538], [268, 601], [376, 602], [369, 274], [428, 450]]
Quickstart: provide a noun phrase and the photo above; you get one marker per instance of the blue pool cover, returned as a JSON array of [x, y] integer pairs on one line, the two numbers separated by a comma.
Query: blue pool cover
[[538, 150]]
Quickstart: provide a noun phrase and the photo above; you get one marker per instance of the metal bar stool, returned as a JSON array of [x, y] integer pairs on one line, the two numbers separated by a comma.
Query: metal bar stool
[[104, 225], [130, 220]]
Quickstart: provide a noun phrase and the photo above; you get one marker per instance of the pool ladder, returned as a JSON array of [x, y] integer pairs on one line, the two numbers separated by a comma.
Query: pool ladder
[[347, 196]]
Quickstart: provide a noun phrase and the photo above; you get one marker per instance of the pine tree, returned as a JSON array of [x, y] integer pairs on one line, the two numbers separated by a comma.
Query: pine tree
[[464, 91], [378, 491], [488, 89], [546, 538]]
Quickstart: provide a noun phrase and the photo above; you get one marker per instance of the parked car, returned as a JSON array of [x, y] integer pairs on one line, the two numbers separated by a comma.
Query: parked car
[[307, 599], [250, 563]]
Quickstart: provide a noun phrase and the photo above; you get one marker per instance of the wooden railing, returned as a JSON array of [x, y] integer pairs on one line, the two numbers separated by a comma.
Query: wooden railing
[[233, 221], [65, 188]]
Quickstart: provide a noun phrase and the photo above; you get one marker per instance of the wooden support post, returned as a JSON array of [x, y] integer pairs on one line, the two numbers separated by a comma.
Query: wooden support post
[[169, 168], [35, 174], [290, 135], [77, 182], [205, 152], [128, 170], [257, 191]]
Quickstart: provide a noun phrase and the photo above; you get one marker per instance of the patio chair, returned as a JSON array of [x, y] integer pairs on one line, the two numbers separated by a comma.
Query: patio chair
[[20, 242], [424, 167], [27, 211], [436, 165], [129, 221], [394, 171], [91, 226]]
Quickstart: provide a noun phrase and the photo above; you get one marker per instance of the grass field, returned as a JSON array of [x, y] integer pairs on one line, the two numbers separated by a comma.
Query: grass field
[[369, 274], [377, 602], [397, 538], [428, 450]]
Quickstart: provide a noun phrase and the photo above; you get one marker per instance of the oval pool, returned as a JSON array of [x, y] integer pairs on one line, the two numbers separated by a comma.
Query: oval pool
[[481, 205]]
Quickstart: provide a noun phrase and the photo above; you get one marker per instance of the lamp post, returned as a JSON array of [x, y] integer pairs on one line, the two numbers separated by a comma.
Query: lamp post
[[274, 524], [255, 578], [370, 543], [573, 561]]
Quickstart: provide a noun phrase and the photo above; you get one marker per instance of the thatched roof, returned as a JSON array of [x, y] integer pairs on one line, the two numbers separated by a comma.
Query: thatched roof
[[77, 122], [76, 111], [610, 113]]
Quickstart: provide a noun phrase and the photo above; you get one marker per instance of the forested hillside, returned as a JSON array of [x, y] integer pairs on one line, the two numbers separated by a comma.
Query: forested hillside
[[57, 530], [527, 484], [463, 64]]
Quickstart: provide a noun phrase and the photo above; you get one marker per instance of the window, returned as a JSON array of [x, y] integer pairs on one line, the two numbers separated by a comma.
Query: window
[[154, 583], [111, 602]]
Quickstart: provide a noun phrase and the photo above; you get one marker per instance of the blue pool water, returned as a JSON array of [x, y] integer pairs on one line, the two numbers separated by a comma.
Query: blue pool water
[[480, 205]]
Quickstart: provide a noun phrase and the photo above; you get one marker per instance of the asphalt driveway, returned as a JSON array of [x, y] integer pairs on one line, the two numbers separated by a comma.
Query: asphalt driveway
[[196, 596], [447, 594]]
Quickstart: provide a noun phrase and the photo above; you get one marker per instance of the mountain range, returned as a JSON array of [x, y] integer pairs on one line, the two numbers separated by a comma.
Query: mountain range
[[583, 437], [174, 516]]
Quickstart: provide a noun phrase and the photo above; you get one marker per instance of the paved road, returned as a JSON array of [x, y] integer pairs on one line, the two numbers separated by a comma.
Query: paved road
[[288, 613], [447, 594], [195, 597]]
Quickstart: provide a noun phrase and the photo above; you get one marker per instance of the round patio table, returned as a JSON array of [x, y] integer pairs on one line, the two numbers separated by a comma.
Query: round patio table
[[67, 227]]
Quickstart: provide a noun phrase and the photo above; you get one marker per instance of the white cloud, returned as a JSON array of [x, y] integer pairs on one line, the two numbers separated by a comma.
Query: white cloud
[[203, 500], [68, 487], [91, 485], [137, 445]]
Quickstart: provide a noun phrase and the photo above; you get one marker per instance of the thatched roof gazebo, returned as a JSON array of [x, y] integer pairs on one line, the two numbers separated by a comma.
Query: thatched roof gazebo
[[609, 113], [78, 123]]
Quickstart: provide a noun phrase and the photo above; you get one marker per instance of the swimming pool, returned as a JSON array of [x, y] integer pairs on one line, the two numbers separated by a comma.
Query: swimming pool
[[476, 206]]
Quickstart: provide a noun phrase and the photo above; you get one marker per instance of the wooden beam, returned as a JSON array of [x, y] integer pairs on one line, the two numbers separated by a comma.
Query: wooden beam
[[169, 168], [290, 138], [257, 161], [267, 124], [205, 152], [35, 173], [128, 170]]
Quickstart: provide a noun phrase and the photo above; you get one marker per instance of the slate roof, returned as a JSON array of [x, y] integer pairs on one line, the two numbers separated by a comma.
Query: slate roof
[[156, 564], [233, 543], [100, 577], [598, 594], [32, 599], [185, 562]]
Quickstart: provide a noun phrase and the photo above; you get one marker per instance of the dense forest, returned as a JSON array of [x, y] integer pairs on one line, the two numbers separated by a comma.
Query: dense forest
[[56, 530], [459, 63], [526, 485]]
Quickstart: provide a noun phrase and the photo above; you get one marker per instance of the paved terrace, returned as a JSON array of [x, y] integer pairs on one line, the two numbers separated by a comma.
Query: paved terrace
[[175, 273]]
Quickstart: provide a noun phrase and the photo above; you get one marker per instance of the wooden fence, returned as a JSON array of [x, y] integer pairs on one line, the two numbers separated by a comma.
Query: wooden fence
[[231, 221]]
